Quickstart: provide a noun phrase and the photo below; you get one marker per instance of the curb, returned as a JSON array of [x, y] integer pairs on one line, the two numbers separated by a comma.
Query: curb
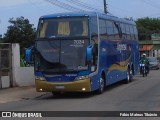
[[19, 93]]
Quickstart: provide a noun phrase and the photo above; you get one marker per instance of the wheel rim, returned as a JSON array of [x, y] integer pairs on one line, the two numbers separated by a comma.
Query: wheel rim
[[128, 75], [131, 74], [101, 84]]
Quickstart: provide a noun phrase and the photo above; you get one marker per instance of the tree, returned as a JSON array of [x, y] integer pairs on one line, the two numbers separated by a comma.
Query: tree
[[1, 39], [20, 31], [147, 26]]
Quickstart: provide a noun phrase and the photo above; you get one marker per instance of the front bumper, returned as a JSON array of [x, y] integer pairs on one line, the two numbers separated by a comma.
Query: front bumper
[[75, 86], [154, 67]]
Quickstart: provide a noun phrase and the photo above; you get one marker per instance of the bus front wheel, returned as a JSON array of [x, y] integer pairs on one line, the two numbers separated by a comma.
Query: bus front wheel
[[56, 94], [129, 76], [101, 85]]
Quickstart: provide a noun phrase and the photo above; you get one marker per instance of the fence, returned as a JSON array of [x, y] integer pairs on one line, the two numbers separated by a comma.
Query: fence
[[6, 65]]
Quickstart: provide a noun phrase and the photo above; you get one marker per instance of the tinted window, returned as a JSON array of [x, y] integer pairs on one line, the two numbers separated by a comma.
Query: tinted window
[[127, 31], [61, 55], [103, 30], [63, 27], [110, 30], [132, 32], [123, 29], [116, 30], [135, 32], [94, 26]]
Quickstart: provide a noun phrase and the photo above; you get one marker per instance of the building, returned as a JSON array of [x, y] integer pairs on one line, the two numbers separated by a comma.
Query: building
[[151, 47]]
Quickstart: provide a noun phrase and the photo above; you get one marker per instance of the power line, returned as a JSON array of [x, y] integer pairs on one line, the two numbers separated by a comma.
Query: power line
[[157, 14], [82, 4], [87, 6], [35, 4], [151, 4], [63, 5], [70, 7]]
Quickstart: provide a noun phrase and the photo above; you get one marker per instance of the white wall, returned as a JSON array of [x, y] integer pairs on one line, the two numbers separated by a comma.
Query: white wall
[[22, 76], [5, 81], [25, 76], [15, 63]]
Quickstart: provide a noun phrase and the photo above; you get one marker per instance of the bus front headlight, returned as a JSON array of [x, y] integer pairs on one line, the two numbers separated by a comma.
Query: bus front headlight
[[81, 77], [39, 78]]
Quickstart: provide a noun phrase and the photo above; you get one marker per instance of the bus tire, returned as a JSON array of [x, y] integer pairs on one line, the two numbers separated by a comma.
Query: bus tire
[[129, 76], [56, 94], [132, 73], [132, 70], [101, 85]]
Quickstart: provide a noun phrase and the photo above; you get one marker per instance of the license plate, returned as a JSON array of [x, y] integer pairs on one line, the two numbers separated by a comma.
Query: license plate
[[59, 87]]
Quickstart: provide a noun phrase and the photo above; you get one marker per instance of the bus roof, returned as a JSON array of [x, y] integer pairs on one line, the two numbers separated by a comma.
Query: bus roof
[[76, 14]]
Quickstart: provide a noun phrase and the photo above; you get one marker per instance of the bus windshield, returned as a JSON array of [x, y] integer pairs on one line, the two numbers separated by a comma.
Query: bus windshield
[[61, 55], [63, 27]]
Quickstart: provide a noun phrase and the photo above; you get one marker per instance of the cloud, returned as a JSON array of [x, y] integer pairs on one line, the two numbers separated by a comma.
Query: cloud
[[10, 3]]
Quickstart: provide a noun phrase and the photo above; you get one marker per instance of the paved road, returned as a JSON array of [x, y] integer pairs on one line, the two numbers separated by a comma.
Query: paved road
[[141, 94]]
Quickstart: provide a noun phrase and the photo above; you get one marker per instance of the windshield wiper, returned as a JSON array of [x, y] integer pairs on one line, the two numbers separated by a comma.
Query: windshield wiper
[[52, 37], [71, 69]]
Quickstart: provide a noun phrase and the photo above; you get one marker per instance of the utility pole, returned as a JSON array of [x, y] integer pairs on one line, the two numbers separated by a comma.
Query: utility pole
[[105, 7], [0, 31]]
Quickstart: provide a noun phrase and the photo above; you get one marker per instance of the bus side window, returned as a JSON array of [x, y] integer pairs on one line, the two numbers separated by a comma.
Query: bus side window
[[118, 31], [123, 31], [110, 30], [128, 31], [102, 29], [135, 33], [132, 32], [95, 50], [94, 41], [94, 27]]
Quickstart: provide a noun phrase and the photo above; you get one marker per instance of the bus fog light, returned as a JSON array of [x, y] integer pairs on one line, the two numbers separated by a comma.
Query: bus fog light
[[81, 77], [39, 78], [41, 89], [83, 89]]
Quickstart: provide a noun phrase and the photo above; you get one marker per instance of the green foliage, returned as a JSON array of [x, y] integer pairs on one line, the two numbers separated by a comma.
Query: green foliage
[[1, 39], [20, 31], [147, 27]]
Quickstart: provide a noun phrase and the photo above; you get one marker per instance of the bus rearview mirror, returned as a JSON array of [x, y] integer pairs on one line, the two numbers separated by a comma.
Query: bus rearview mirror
[[89, 53]]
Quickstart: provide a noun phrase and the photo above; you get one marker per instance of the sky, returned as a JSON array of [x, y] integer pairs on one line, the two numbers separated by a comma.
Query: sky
[[33, 9]]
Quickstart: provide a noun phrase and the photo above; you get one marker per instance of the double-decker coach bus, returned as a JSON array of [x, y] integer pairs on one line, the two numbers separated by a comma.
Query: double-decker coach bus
[[84, 52]]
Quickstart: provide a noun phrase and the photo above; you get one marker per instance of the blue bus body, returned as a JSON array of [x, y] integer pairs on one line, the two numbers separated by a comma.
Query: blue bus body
[[117, 54]]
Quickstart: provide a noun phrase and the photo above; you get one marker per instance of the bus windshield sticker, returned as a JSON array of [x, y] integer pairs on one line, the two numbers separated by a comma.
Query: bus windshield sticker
[[121, 47], [82, 67], [78, 43]]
